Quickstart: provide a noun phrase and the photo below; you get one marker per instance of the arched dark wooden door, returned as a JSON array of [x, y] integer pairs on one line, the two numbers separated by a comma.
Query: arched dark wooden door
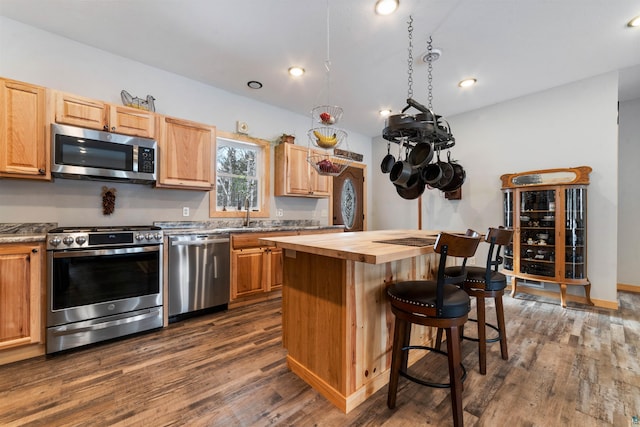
[[348, 203]]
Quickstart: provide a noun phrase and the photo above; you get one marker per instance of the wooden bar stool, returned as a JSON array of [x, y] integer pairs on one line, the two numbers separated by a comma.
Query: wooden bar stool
[[483, 283], [440, 304]]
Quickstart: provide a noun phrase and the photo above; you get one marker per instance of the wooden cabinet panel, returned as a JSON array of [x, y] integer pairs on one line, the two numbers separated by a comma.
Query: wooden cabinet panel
[[20, 288], [79, 111], [186, 154], [275, 266], [132, 121], [247, 273], [93, 114], [24, 147], [295, 177]]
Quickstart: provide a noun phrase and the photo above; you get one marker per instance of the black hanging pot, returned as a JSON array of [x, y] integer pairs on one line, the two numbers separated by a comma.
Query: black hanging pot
[[447, 173], [431, 173], [399, 121], [387, 161], [421, 154], [459, 176], [412, 192]]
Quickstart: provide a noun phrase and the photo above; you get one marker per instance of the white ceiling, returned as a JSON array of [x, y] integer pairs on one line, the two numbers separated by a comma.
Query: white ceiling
[[513, 47]]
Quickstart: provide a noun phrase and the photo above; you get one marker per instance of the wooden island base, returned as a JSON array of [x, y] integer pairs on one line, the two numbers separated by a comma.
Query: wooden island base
[[336, 321]]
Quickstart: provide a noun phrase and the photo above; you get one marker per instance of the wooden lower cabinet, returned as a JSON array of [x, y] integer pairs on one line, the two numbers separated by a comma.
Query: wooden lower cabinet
[[256, 267], [257, 271], [21, 297]]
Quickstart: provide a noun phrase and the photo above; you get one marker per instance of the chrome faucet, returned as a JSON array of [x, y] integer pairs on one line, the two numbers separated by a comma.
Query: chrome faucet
[[246, 206]]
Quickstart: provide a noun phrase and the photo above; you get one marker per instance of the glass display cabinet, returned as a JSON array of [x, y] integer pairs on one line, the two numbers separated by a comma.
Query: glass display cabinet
[[547, 210]]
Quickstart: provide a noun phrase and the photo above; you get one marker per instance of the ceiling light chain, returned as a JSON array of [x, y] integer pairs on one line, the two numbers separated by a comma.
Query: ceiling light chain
[[429, 71], [410, 59]]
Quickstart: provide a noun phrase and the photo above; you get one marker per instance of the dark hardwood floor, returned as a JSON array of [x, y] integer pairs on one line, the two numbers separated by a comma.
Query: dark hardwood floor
[[568, 367]]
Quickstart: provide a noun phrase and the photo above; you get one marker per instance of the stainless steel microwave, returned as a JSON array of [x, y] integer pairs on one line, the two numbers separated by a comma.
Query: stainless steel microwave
[[91, 154]]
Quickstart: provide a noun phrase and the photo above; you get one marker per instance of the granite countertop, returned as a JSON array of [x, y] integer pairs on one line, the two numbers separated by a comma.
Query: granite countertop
[[25, 232], [235, 226]]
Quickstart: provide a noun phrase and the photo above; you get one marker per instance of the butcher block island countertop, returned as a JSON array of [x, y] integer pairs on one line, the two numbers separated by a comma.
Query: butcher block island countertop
[[336, 322], [371, 247]]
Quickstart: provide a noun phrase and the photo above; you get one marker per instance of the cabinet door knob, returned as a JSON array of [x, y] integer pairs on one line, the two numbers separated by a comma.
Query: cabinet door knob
[[41, 171], [106, 127], [113, 129], [35, 251]]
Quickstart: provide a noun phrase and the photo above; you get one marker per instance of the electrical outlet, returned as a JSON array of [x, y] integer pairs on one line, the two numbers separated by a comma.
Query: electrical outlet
[[279, 212], [323, 213], [185, 211]]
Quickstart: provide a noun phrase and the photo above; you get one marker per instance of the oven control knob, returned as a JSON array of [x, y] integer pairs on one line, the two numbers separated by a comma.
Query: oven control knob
[[157, 236], [80, 240], [55, 241], [139, 237], [68, 240], [149, 236]]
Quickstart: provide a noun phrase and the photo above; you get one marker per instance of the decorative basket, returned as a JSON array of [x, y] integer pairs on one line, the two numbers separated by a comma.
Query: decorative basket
[[326, 137], [327, 115], [326, 164]]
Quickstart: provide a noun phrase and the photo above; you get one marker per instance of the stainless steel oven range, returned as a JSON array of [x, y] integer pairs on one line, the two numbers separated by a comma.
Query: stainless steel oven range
[[103, 283]]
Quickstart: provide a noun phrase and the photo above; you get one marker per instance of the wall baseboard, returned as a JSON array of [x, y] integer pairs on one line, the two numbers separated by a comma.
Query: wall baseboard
[[612, 305], [629, 288]]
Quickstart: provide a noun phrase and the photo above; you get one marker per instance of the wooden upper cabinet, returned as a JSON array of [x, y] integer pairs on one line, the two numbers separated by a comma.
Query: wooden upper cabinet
[[186, 154], [24, 140], [93, 114], [20, 289], [295, 177]]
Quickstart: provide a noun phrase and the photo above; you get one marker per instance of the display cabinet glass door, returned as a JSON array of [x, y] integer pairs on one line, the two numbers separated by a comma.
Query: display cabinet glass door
[[537, 233], [575, 233], [508, 222]]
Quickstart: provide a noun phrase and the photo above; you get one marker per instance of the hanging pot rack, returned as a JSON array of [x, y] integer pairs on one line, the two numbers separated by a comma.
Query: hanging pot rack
[[425, 132]]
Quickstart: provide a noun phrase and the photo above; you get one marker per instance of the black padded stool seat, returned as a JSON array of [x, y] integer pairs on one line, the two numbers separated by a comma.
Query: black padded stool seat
[[420, 293], [497, 281], [482, 283], [437, 303]]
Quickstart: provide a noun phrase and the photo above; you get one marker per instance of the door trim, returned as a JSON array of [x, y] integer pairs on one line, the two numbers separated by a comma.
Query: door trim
[[364, 196]]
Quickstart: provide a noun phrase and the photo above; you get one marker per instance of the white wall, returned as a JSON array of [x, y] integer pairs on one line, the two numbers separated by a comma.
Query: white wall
[[572, 125], [34, 56], [629, 193]]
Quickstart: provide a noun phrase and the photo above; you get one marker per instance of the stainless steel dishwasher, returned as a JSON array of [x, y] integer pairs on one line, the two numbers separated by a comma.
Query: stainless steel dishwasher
[[199, 276]]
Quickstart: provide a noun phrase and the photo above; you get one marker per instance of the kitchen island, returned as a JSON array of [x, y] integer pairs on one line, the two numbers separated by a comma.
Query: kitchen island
[[336, 322]]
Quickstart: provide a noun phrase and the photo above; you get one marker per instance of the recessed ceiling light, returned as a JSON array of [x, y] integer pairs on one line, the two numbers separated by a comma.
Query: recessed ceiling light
[[384, 113], [254, 84], [296, 71], [635, 22], [386, 7], [467, 82]]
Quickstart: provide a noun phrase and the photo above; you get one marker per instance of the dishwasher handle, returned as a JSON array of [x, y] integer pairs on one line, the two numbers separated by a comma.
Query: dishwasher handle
[[198, 242]]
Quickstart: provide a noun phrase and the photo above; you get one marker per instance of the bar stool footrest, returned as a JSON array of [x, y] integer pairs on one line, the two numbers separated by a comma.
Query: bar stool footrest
[[428, 383], [488, 340]]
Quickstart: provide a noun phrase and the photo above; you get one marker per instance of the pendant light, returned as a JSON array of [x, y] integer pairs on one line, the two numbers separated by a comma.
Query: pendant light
[[324, 135]]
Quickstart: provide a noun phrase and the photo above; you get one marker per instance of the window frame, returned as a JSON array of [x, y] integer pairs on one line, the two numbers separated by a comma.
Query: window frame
[[264, 177]]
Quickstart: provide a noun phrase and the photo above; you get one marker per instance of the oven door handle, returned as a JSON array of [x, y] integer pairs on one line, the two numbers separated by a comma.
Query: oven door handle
[[102, 252], [67, 330], [198, 242]]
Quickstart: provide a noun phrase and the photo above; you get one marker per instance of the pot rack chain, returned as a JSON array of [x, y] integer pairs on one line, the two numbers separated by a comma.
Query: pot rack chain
[[429, 73], [410, 59]]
